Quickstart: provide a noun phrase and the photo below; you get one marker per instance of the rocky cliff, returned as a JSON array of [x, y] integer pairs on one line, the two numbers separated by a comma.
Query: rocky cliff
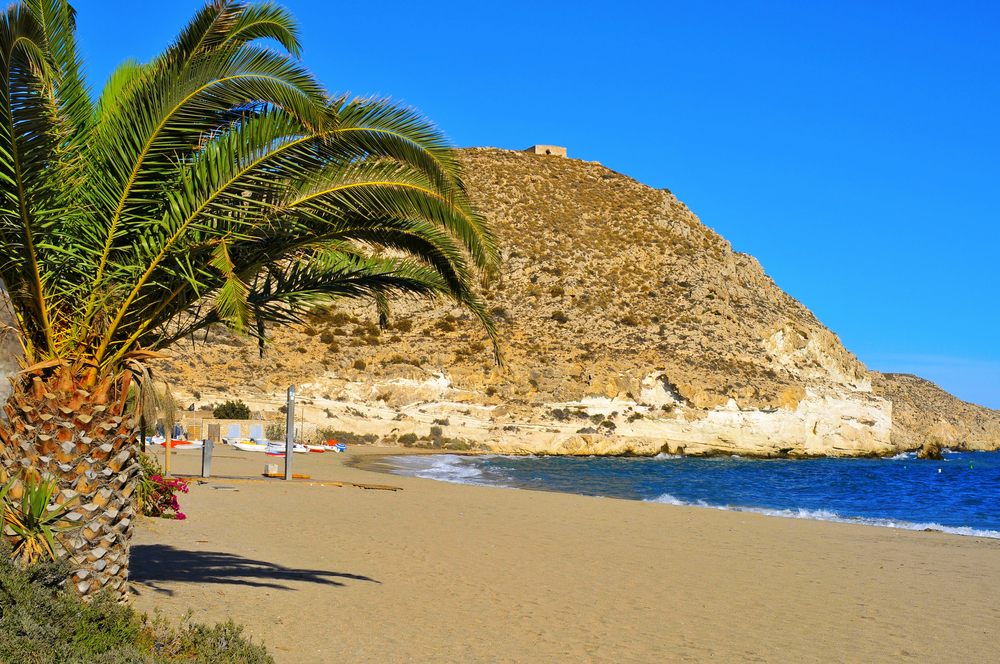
[[628, 326]]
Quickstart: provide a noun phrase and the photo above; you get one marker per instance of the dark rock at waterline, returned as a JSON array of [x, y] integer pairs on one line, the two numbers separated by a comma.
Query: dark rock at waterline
[[931, 450]]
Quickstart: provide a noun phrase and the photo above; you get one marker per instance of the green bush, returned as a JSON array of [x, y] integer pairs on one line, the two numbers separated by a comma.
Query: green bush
[[44, 622], [275, 430], [360, 365], [327, 337], [404, 325], [347, 437], [232, 410]]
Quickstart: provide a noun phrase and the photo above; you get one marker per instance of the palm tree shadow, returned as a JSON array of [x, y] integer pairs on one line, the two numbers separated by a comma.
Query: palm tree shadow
[[152, 565]]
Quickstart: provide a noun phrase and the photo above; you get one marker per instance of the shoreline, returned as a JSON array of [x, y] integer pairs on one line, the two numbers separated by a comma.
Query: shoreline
[[442, 572], [378, 463]]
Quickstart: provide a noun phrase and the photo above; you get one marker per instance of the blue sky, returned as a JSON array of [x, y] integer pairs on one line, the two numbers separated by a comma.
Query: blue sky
[[851, 147]]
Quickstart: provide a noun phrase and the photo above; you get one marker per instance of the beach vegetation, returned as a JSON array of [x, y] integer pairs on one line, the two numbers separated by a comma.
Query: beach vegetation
[[156, 494], [217, 189], [407, 439], [231, 410], [43, 621], [346, 437], [359, 365], [275, 430], [445, 326], [32, 518], [310, 331], [327, 337], [404, 325]]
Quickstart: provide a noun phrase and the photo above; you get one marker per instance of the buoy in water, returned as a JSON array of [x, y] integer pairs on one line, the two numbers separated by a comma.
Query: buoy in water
[[939, 470]]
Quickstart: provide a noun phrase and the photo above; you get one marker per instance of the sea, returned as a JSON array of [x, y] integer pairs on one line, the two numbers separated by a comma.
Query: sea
[[960, 494]]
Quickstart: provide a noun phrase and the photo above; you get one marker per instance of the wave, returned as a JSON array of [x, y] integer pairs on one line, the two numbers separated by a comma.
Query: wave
[[829, 515], [442, 467], [665, 455]]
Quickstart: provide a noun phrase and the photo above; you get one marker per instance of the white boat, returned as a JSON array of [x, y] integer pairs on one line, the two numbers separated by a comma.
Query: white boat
[[277, 448], [251, 446], [177, 444]]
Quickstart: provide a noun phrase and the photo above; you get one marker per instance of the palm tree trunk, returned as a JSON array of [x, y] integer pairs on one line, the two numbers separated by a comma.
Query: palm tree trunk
[[85, 440]]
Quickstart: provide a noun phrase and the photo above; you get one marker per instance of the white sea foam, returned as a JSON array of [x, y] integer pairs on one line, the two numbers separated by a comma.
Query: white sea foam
[[665, 455], [902, 456], [442, 467], [829, 515]]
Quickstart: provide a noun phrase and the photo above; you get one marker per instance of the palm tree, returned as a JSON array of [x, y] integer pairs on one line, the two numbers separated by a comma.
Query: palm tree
[[218, 184]]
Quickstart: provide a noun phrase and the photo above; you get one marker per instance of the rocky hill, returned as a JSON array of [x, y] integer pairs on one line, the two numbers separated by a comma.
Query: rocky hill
[[628, 327]]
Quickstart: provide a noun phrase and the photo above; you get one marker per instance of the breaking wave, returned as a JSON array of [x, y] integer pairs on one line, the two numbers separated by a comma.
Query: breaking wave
[[829, 515]]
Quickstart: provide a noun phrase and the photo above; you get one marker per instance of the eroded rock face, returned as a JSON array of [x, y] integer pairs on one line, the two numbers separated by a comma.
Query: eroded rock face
[[616, 303]]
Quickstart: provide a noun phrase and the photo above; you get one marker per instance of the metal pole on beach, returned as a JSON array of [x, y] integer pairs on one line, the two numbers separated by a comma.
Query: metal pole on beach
[[289, 432]]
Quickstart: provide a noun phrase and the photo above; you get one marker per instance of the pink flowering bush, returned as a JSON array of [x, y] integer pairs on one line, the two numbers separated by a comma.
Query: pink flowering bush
[[157, 494], [162, 500]]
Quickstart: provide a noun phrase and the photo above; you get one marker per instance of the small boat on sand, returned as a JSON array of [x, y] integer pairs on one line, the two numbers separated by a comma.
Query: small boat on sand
[[277, 448], [250, 446], [177, 444]]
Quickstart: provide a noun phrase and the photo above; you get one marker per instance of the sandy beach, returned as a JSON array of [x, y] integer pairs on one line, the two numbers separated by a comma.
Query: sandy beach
[[442, 572]]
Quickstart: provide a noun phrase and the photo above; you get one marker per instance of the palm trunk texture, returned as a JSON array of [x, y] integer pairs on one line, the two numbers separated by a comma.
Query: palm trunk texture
[[85, 440]]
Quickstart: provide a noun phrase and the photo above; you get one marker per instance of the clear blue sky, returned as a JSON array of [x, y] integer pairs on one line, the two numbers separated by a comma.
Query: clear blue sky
[[852, 147]]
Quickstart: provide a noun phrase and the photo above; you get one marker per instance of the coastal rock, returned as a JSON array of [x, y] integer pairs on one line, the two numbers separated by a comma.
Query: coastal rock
[[931, 450]]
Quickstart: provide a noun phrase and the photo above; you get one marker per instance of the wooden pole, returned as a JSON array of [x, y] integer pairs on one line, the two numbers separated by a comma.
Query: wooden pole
[[166, 446]]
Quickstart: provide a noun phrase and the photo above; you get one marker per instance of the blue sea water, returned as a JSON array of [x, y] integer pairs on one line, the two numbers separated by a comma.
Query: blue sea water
[[960, 494]]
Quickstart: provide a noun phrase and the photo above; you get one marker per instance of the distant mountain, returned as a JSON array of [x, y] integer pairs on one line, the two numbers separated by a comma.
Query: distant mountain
[[628, 327]]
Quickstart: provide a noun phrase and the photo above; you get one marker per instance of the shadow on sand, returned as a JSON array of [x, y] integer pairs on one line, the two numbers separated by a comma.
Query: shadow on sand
[[153, 564]]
